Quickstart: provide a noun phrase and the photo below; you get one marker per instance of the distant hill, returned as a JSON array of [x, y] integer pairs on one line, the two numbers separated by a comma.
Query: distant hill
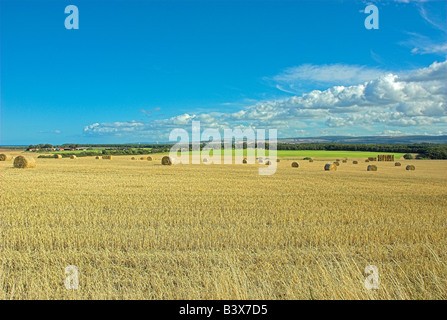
[[368, 139], [390, 140]]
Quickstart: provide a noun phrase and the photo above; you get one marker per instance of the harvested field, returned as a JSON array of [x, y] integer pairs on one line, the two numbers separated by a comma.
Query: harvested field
[[147, 231]]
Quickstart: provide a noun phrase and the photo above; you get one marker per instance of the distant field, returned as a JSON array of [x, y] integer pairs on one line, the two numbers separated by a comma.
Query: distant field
[[280, 153], [324, 154], [332, 154], [97, 150], [64, 152]]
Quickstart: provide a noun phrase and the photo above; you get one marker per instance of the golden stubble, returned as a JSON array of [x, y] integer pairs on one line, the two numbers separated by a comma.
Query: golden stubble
[[141, 230]]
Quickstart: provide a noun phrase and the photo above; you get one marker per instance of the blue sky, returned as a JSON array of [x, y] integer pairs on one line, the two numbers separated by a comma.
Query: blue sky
[[135, 70]]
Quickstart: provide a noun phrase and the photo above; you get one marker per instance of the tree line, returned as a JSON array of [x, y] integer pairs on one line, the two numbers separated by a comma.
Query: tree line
[[424, 150]]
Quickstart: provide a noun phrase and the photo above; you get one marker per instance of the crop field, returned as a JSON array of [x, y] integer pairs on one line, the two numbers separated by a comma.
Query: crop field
[[331, 154], [140, 230], [323, 154]]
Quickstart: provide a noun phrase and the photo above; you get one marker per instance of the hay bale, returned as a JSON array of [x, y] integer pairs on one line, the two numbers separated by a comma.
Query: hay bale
[[204, 160], [268, 162], [366, 160], [24, 162], [337, 163], [142, 158], [295, 165], [260, 160], [57, 156], [98, 157], [149, 158], [344, 161], [107, 157], [337, 160], [277, 160], [244, 161], [410, 167], [355, 162], [311, 160], [371, 167], [5, 157], [72, 156], [166, 161], [397, 164], [330, 167]]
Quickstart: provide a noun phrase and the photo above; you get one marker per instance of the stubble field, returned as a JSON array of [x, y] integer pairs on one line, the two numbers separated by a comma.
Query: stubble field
[[140, 230]]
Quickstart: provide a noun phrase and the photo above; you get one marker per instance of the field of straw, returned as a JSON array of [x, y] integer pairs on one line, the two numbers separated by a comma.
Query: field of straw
[[141, 230]]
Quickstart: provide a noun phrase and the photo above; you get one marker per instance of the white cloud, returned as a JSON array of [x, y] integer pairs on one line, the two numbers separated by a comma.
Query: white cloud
[[436, 24], [413, 99], [52, 132], [430, 48], [296, 79], [392, 133], [435, 43]]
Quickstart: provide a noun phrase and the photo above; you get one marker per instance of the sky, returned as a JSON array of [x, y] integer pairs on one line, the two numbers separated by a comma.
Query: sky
[[136, 70]]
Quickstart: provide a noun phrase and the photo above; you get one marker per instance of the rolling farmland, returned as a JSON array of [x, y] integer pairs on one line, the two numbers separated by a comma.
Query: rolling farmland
[[140, 230]]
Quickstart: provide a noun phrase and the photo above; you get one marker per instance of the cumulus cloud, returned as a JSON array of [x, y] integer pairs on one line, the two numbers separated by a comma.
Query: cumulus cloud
[[415, 99]]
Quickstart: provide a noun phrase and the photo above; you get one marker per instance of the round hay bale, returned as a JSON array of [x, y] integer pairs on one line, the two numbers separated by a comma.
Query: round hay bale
[[142, 158], [72, 156], [344, 161], [5, 157], [355, 162], [397, 164], [149, 158], [277, 160], [24, 162], [311, 160], [98, 157], [337, 160], [107, 157], [295, 164], [244, 161], [133, 158], [366, 160], [330, 167], [267, 163], [337, 163], [410, 167], [260, 160], [204, 160], [58, 156], [166, 161], [371, 167]]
